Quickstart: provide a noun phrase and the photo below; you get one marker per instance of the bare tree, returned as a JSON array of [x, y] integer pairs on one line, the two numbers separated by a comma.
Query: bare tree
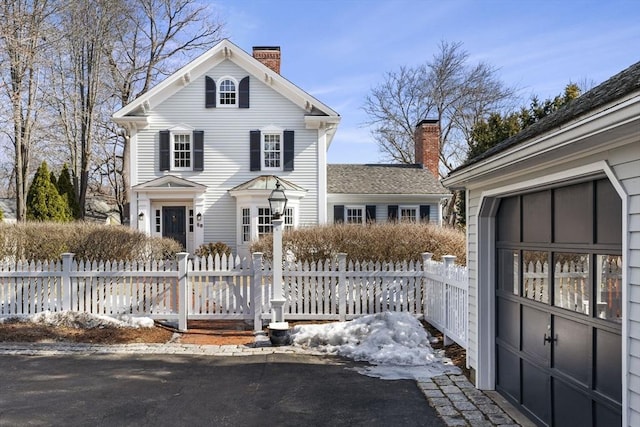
[[159, 35], [446, 88], [23, 26]]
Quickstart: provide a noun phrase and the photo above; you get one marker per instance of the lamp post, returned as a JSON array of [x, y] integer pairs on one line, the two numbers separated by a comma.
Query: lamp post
[[278, 328]]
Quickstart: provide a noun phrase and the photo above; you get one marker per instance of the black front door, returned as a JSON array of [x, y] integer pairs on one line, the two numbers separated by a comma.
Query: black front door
[[558, 304], [174, 224]]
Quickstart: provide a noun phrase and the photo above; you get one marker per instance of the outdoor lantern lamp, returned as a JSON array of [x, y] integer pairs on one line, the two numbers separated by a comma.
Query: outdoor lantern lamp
[[278, 328], [277, 201], [140, 216], [199, 217]]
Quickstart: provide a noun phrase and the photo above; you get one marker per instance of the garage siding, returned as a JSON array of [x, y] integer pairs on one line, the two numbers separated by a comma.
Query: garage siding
[[472, 266], [626, 164]]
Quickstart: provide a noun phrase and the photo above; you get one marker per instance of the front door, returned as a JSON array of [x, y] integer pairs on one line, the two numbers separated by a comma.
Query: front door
[[174, 224], [558, 304]]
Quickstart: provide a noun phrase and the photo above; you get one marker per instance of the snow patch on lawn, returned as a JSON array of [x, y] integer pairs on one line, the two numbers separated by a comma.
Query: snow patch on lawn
[[74, 319], [395, 344]]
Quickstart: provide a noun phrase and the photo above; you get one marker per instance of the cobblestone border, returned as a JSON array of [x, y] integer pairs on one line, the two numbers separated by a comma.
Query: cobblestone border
[[459, 403]]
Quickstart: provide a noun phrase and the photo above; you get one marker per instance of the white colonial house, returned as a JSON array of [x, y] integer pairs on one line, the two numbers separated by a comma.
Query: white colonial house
[[553, 234], [208, 143]]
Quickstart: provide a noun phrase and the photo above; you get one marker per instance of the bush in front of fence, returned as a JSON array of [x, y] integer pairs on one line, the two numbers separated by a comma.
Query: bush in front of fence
[[375, 242], [48, 241]]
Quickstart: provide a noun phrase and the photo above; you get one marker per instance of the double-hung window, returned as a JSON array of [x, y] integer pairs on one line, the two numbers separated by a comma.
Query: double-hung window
[[264, 221], [354, 214], [272, 151], [181, 151], [408, 213]]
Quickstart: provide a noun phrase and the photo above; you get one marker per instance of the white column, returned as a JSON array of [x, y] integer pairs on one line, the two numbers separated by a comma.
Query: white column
[[277, 302]]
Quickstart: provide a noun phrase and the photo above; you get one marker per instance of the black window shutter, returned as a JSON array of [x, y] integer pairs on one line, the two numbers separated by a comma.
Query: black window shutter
[[244, 93], [425, 211], [392, 213], [338, 213], [210, 93], [254, 150], [165, 153], [371, 213], [198, 150], [289, 150]]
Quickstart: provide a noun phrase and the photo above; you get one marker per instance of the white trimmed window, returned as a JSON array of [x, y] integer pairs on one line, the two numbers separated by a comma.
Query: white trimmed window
[[272, 151], [354, 214], [264, 221], [408, 213], [246, 225], [181, 151], [227, 92]]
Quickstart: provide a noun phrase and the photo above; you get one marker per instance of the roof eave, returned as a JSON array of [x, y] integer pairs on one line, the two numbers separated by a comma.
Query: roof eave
[[623, 112]]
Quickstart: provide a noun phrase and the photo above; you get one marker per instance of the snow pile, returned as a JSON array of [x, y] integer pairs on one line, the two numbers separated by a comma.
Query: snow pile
[[395, 343], [78, 320]]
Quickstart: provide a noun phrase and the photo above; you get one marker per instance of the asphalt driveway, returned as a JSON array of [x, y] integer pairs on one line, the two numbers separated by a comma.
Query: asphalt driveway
[[163, 390]]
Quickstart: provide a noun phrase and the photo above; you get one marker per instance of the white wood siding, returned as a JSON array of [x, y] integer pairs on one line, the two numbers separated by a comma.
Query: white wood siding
[[226, 147], [472, 273], [381, 208], [626, 165]]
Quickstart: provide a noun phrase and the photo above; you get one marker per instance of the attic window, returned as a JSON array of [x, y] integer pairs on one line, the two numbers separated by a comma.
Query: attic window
[[227, 92]]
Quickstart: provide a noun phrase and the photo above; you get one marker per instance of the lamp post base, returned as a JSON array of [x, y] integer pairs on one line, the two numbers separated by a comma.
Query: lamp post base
[[279, 333]]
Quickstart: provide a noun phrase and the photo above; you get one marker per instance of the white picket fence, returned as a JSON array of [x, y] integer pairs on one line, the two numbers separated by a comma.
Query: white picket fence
[[228, 288]]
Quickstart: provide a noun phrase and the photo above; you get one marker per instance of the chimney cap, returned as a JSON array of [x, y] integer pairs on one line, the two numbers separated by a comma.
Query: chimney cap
[[266, 48], [427, 121]]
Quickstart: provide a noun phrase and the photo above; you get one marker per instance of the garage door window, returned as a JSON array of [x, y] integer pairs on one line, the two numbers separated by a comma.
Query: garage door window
[[571, 281], [535, 276], [609, 287]]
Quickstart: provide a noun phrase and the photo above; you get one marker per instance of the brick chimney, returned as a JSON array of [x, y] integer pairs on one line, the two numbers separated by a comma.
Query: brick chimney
[[269, 56], [427, 144]]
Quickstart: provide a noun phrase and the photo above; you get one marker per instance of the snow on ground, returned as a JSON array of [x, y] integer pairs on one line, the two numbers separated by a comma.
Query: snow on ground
[[395, 344], [74, 319]]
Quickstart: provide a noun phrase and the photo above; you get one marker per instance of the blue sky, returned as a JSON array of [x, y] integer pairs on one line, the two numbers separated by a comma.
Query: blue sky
[[337, 50]]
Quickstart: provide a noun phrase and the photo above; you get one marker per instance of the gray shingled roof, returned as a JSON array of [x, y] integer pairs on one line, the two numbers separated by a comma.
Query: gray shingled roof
[[616, 87], [382, 179]]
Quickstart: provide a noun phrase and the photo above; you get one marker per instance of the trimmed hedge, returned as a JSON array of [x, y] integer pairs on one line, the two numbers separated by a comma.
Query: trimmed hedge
[[376, 242], [48, 241]]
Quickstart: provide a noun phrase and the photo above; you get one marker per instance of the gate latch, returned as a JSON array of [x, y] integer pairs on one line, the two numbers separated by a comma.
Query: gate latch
[[549, 339]]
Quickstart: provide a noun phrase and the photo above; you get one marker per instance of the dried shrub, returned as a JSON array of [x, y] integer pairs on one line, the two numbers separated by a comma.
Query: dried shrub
[[212, 249], [48, 241], [376, 242]]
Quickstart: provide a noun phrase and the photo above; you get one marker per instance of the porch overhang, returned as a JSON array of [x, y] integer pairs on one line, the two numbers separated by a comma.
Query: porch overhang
[[170, 184]]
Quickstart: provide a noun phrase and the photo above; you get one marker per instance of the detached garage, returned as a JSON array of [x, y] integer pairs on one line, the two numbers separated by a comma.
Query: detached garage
[[553, 227]]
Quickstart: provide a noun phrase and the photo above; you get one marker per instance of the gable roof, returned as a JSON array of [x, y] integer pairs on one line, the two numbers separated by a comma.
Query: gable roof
[[618, 86], [382, 179], [136, 110]]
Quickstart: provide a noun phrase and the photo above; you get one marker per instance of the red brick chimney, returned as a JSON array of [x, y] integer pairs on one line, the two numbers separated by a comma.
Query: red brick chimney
[[269, 56], [427, 144]]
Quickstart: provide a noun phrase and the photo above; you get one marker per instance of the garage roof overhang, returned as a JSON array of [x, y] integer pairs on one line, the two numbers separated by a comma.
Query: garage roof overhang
[[608, 127]]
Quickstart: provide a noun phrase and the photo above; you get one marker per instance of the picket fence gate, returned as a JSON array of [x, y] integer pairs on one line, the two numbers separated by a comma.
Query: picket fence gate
[[226, 287]]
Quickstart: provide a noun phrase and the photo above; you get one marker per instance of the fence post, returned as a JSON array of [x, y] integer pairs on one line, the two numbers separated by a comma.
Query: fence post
[[256, 291], [448, 263], [426, 293], [342, 286], [183, 280], [67, 288]]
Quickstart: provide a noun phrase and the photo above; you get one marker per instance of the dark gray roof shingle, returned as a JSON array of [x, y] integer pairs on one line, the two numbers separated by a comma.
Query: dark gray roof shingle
[[623, 83], [382, 179]]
